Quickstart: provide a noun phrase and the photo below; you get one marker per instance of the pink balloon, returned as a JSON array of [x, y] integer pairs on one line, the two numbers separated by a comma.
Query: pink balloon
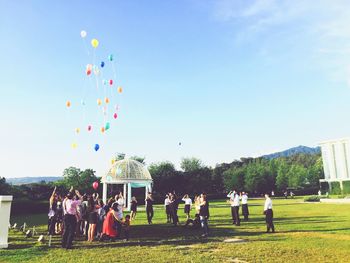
[[111, 82], [115, 115], [95, 185], [89, 128]]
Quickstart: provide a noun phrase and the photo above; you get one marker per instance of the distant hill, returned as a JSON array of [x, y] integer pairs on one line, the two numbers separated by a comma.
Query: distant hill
[[31, 180], [293, 151]]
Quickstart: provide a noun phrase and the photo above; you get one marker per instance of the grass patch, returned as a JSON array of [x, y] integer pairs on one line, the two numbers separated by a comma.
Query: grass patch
[[306, 232]]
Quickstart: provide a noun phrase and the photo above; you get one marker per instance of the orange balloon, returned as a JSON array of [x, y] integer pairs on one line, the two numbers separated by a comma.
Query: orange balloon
[[107, 100], [99, 102], [68, 103], [102, 129], [120, 89]]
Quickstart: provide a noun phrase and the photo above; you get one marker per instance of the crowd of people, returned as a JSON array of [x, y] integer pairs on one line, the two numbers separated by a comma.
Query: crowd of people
[[86, 215]]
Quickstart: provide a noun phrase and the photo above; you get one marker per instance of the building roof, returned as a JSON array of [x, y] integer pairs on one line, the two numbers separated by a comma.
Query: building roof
[[125, 171]]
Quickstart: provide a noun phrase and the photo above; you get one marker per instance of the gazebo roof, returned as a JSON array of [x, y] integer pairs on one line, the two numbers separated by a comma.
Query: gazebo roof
[[127, 170]]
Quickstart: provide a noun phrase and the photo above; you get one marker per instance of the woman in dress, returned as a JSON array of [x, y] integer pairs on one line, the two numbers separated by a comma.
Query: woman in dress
[[109, 228], [133, 208], [93, 218], [204, 214]]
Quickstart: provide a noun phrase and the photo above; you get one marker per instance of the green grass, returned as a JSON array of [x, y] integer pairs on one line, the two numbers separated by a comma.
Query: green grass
[[306, 232]]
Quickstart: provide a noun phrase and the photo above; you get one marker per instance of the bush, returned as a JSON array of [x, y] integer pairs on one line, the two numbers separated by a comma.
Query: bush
[[346, 187], [25, 207], [312, 198], [335, 188]]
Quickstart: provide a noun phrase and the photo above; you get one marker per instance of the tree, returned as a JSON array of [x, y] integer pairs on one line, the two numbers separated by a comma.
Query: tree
[[234, 179], [191, 164], [74, 177], [5, 188], [297, 176], [138, 158], [258, 178], [282, 176], [164, 176]]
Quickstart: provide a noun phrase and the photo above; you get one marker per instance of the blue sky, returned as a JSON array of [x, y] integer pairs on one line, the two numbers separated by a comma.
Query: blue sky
[[226, 78]]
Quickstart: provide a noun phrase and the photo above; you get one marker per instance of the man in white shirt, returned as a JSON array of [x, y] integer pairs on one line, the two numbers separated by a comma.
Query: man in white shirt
[[245, 210], [234, 201], [268, 214]]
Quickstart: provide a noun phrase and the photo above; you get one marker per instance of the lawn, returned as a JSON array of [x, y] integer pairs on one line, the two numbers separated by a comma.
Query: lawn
[[306, 232]]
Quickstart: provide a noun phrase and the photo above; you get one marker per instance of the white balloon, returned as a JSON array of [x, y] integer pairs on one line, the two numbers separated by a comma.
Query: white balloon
[[83, 33]]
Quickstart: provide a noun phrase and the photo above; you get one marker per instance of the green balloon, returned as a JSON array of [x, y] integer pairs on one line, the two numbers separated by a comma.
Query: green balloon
[[107, 126]]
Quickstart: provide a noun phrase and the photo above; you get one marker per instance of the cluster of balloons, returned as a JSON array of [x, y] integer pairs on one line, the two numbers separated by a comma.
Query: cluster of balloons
[[97, 70]]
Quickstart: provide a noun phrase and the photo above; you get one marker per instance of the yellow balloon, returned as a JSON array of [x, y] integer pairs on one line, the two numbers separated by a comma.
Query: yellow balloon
[[102, 129], [99, 102], [77, 130], [74, 145], [94, 43], [120, 89], [112, 161]]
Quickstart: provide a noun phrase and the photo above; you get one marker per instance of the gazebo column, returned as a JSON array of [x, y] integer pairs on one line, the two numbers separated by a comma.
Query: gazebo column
[[104, 193], [124, 195], [129, 197]]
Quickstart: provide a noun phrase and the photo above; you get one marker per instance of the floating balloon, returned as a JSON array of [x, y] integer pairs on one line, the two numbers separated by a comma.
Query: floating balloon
[[99, 102], [104, 82], [83, 33], [116, 107], [110, 57], [89, 128], [89, 67], [97, 147], [102, 129], [115, 115], [74, 145], [77, 130], [107, 100], [88, 72], [111, 82], [112, 161], [95, 185], [120, 89], [68, 103], [104, 110], [94, 43], [97, 71], [107, 126], [82, 102], [102, 64]]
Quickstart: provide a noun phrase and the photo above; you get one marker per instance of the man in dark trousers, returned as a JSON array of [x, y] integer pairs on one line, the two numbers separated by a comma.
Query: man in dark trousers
[[245, 210], [70, 208], [149, 207], [268, 214]]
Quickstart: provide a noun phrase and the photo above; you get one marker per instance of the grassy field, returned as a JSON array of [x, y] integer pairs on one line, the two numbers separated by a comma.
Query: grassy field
[[306, 232]]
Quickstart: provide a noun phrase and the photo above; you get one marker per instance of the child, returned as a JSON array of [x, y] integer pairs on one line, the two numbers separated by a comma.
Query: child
[[126, 225], [133, 207]]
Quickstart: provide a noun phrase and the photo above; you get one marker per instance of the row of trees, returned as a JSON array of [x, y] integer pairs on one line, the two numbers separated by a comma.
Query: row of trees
[[300, 172]]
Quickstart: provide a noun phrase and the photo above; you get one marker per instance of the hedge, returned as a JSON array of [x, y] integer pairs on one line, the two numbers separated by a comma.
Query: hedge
[[346, 187], [312, 198], [335, 186]]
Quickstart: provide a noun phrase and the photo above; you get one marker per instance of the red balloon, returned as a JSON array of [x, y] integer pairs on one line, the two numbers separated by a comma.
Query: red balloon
[[89, 128], [88, 72], [95, 185], [111, 82], [115, 115]]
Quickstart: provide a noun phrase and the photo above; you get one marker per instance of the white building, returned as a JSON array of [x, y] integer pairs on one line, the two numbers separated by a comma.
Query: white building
[[336, 161]]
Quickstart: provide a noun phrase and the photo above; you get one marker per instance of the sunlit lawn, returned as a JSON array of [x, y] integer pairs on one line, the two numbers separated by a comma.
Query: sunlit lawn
[[306, 232]]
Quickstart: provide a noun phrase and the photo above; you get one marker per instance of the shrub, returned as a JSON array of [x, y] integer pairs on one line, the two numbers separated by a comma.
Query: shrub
[[346, 187], [335, 188], [312, 198]]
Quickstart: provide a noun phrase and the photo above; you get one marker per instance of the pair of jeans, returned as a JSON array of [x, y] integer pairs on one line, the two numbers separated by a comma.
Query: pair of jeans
[[204, 224]]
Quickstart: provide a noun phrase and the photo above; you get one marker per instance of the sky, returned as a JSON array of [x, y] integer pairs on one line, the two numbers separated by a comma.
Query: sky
[[227, 79]]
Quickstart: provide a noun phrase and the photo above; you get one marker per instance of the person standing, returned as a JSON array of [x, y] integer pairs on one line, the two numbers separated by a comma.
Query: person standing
[[174, 204], [70, 208], [204, 214], [52, 213], [234, 201], [167, 209], [133, 208], [149, 207], [92, 218], [188, 204], [268, 214], [245, 211]]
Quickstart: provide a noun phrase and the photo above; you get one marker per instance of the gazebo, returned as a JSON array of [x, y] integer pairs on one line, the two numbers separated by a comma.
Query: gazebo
[[130, 174]]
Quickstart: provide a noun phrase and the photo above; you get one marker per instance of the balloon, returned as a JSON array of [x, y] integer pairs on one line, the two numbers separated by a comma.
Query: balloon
[[96, 71], [89, 128], [82, 102], [88, 72], [116, 107], [102, 129], [95, 185], [104, 82], [83, 33], [77, 130], [99, 102], [68, 103], [115, 115], [102, 64], [74, 145], [107, 100], [96, 147], [120, 89], [112, 161], [107, 126], [111, 82], [89, 67], [110, 57], [104, 110], [94, 43]]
